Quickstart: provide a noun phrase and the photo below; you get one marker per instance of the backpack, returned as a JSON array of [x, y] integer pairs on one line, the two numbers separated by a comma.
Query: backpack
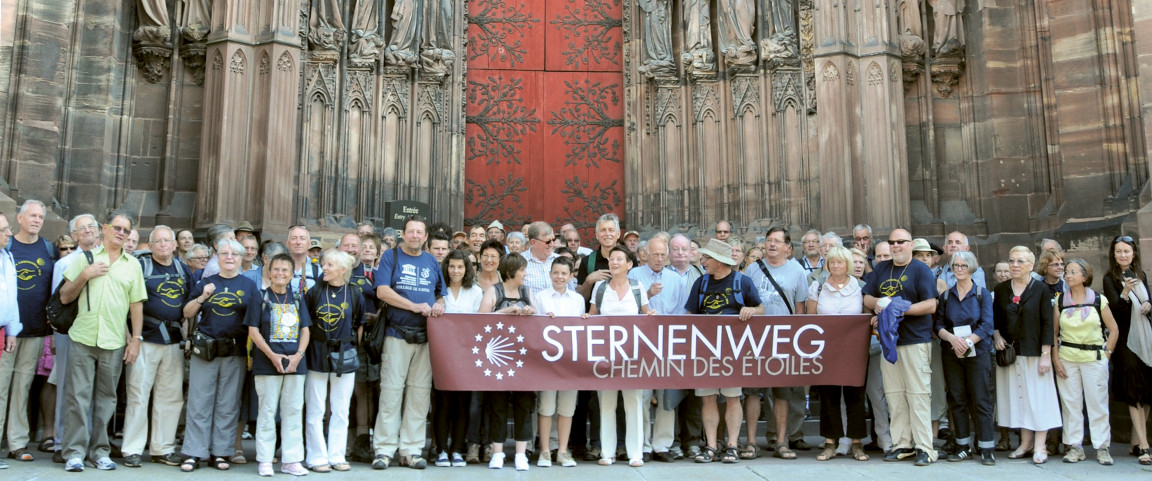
[[599, 294], [373, 341], [60, 315], [1095, 305], [147, 265], [736, 289]]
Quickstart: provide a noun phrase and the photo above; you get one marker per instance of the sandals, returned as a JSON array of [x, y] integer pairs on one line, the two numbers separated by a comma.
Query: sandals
[[220, 463], [784, 452], [829, 452], [21, 454], [750, 451], [1039, 457], [731, 455], [858, 452], [707, 455], [238, 457], [189, 464], [1019, 453], [47, 445], [1145, 457]]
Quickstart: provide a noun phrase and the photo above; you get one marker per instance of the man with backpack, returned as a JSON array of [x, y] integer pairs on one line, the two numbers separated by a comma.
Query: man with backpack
[[160, 364], [723, 290]]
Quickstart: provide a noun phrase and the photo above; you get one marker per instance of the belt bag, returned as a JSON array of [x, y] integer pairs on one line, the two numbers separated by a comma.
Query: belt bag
[[412, 335], [343, 361], [207, 348]]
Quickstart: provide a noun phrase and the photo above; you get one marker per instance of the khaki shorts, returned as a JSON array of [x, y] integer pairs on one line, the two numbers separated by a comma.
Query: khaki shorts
[[726, 391]]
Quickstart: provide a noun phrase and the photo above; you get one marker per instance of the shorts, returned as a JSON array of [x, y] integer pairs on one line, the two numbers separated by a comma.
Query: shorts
[[725, 391]]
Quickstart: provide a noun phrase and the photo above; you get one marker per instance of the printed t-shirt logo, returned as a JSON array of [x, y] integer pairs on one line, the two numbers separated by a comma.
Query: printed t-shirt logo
[[170, 291], [330, 314], [28, 270], [496, 352], [285, 323], [716, 301], [891, 287], [223, 303]]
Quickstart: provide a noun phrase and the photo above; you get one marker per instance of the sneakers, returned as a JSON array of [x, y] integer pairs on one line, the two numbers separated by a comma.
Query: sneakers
[[442, 460], [521, 461], [132, 461], [922, 458], [170, 459], [381, 462], [1075, 454], [986, 457], [294, 469], [265, 469], [899, 454], [566, 460], [414, 461], [960, 454], [104, 464], [458, 461], [592, 454], [473, 456], [497, 461], [544, 460], [3, 465], [1103, 456], [74, 465]]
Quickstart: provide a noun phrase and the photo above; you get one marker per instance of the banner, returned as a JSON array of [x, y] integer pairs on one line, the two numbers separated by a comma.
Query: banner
[[496, 352]]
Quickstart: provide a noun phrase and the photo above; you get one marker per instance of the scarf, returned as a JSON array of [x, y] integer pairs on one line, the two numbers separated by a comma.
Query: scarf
[[1139, 331]]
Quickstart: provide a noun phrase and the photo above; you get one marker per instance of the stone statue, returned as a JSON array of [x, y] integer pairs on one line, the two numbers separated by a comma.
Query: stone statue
[[196, 21], [326, 26], [737, 21], [436, 45], [912, 45], [783, 45], [657, 39], [698, 57], [783, 18], [401, 49], [948, 38], [152, 40], [365, 44]]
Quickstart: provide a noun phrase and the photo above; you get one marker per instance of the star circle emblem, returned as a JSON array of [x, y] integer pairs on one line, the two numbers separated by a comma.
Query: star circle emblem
[[498, 351]]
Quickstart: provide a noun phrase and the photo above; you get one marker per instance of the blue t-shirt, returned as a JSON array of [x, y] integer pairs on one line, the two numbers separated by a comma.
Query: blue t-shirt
[[281, 320], [719, 296], [362, 277], [34, 264], [335, 312], [167, 294], [234, 304], [914, 283], [416, 279]]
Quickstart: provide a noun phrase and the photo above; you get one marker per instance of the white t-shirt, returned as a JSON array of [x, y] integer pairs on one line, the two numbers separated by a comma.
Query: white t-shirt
[[614, 305], [467, 303], [568, 304]]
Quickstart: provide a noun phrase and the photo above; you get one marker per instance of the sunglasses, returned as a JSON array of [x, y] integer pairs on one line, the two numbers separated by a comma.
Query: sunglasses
[[899, 241], [1123, 238], [67, 248]]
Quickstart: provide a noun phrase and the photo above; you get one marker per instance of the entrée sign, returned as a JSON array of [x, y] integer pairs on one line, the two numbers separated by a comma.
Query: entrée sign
[[494, 352]]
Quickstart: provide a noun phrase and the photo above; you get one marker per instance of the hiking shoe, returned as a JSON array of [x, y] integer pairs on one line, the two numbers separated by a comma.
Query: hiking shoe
[[1075, 454], [473, 456], [74, 465], [1103, 456], [381, 462]]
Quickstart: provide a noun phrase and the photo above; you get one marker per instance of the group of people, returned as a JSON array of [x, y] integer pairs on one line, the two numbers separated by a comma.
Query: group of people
[[238, 332]]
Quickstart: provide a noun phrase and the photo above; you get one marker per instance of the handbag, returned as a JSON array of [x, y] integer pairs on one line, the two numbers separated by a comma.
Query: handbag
[[203, 347], [61, 316], [1005, 357], [343, 361]]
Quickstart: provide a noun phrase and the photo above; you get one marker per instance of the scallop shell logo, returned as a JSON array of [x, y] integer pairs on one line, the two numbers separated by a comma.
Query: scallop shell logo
[[499, 351]]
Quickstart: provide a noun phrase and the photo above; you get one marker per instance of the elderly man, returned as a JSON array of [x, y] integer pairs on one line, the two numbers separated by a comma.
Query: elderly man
[[158, 372], [811, 259], [722, 291], [365, 228], [907, 383], [827, 242], [9, 313], [307, 272], [862, 237], [539, 256], [571, 238], [496, 231], [667, 294], [680, 253], [957, 242], [476, 237], [246, 231], [132, 243], [34, 258], [99, 351], [410, 282], [782, 287], [631, 240], [594, 268]]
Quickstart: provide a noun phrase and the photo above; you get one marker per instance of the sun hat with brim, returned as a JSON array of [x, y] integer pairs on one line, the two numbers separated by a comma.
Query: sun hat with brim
[[245, 227], [497, 225], [921, 245], [315, 244], [719, 250]]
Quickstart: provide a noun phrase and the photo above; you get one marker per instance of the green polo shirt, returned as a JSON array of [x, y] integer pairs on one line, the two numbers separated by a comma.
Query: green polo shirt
[[110, 295]]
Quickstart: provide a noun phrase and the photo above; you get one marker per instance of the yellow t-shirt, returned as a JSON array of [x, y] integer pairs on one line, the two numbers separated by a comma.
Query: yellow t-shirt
[[1077, 329], [102, 308]]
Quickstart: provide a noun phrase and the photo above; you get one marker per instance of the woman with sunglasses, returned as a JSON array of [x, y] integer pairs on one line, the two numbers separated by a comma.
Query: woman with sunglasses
[[1126, 287], [1025, 390], [65, 245], [1050, 268]]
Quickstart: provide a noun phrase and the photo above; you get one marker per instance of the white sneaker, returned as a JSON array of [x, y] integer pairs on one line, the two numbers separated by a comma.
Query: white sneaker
[[442, 460], [545, 459], [566, 459], [497, 461], [521, 462]]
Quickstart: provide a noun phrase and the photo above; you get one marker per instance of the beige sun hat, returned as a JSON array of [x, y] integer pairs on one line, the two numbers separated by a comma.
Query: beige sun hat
[[719, 250]]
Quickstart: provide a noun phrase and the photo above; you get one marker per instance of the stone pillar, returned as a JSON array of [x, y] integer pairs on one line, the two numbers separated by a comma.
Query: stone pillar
[[1142, 37]]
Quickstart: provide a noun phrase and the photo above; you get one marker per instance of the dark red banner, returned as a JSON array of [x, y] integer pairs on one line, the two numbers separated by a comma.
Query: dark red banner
[[494, 352]]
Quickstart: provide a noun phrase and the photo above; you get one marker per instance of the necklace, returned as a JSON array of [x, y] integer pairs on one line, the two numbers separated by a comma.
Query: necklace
[[892, 270], [276, 297]]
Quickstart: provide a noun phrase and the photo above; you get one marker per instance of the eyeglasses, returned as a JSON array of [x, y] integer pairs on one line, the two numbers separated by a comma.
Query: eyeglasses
[[120, 229], [89, 228], [6, 229], [228, 254], [198, 259], [959, 267], [1018, 261], [490, 258], [1055, 264], [773, 241], [860, 239], [897, 242], [723, 232]]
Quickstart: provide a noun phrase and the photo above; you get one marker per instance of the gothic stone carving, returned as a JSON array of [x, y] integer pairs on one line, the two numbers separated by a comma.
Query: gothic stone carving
[[698, 59], [365, 45], [657, 39], [786, 88], [326, 26], [401, 50], [436, 46], [736, 23], [948, 35], [946, 74], [152, 40]]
